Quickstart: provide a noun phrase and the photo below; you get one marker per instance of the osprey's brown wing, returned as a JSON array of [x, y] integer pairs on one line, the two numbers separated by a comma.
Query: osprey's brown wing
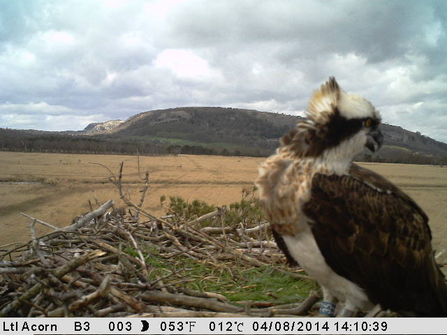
[[375, 235], [283, 247]]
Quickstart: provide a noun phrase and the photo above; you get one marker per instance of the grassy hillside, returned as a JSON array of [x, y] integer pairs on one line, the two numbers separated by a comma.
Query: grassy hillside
[[257, 133], [208, 131]]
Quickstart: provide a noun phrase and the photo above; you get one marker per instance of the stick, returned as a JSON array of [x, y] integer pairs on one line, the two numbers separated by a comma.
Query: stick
[[129, 300], [112, 309], [140, 254], [84, 301], [101, 292], [40, 221], [203, 294], [5, 264], [90, 216], [184, 300], [217, 230], [302, 309], [12, 270], [77, 262], [58, 273], [109, 248], [36, 243], [72, 228], [145, 188], [205, 217]]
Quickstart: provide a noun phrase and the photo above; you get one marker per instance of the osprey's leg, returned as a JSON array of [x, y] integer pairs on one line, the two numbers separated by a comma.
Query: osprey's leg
[[373, 312], [345, 313], [327, 308], [348, 309]]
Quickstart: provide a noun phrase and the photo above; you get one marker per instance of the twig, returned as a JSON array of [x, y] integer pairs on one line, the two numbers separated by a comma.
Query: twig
[[129, 300], [4, 264], [184, 300], [101, 292], [58, 273], [46, 224], [109, 248], [36, 243], [145, 188], [303, 308], [89, 216], [140, 254], [203, 294], [12, 270], [84, 301], [217, 230], [115, 291], [112, 309], [77, 225], [205, 217]]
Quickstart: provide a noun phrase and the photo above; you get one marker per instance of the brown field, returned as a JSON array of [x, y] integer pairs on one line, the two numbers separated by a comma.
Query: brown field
[[57, 187]]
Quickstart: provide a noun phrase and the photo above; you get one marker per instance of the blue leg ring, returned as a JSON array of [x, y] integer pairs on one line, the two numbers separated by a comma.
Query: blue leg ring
[[327, 308]]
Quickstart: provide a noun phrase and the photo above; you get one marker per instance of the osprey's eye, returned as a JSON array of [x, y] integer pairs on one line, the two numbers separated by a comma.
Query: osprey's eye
[[368, 123]]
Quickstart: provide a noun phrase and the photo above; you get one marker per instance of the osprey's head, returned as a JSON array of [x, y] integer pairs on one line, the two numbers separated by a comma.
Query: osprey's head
[[338, 126]]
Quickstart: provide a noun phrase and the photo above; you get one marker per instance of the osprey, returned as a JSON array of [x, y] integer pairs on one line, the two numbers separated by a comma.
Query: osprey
[[364, 240]]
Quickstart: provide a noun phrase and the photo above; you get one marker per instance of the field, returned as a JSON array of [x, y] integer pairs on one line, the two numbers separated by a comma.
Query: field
[[57, 187]]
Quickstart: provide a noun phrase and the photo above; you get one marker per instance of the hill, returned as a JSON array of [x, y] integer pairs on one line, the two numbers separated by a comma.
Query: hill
[[253, 132], [208, 130], [248, 131], [99, 127]]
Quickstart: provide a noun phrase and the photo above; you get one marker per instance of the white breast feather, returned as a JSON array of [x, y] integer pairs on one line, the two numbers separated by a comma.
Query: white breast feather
[[304, 249]]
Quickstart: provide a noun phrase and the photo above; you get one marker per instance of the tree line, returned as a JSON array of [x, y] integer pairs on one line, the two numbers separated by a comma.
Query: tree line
[[15, 140], [22, 141]]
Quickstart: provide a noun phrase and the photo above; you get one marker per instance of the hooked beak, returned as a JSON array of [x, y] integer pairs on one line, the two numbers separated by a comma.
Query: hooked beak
[[374, 140]]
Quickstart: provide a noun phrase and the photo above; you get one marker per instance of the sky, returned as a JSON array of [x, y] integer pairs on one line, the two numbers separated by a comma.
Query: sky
[[65, 64]]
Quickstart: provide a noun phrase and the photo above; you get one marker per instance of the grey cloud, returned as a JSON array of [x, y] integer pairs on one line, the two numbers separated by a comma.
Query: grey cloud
[[377, 29], [102, 59], [17, 20]]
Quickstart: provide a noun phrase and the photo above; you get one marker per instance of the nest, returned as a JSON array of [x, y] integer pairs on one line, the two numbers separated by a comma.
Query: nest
[[100, 266]]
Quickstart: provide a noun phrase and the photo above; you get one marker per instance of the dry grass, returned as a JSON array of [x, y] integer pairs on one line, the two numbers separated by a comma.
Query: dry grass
[[61, 185], [129, 262]]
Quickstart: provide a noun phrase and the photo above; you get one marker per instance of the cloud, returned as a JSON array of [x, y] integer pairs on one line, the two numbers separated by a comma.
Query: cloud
[[100, 60], [185, 64], [49, 117]]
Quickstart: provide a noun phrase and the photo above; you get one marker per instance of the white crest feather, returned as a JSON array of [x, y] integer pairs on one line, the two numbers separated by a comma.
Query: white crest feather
[[324, 101], [330, 97], [354, 106]]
